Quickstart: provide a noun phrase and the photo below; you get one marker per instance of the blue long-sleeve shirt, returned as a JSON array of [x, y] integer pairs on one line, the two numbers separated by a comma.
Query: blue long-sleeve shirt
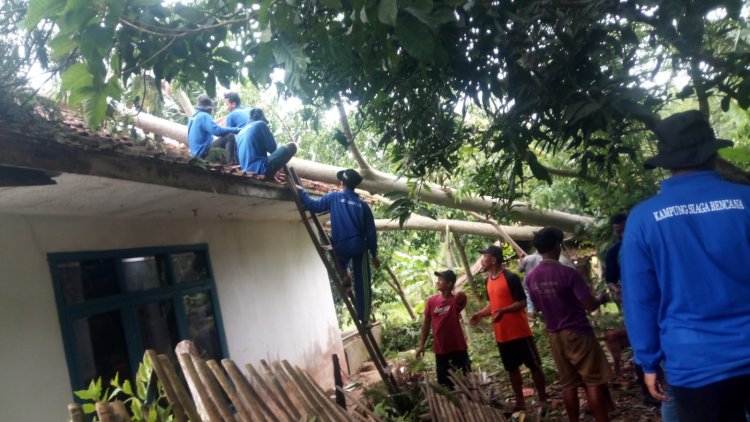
[[254, 142], [201, 131], [686, 280], [239, 117], [352, 222]]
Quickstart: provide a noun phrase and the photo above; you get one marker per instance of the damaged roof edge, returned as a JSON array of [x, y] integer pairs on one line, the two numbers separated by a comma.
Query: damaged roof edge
[[20, 151]]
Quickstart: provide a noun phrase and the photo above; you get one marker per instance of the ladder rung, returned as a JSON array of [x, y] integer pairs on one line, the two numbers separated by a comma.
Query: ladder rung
[[327, 247]]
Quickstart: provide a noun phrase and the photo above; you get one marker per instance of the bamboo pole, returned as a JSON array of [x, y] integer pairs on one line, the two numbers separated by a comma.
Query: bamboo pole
[[119, 411], [248, 393], [267, 391], [306, 382], [359, 404], [244, 413], [177, 409], [75, 413], [273, 375], [197, 388], [104, 413], [213, 389], [179, 388], [305, 393]]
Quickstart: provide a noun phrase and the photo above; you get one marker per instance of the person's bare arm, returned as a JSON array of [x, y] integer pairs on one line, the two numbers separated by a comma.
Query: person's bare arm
[[480, 314], [425, 332], [591, 303]]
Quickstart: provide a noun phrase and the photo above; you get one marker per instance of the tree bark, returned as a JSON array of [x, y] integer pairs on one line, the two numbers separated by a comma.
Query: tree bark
[[380, 182]]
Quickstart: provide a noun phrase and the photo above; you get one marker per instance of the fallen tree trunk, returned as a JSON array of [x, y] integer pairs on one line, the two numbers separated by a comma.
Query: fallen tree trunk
[[417, 222], [380, 182]]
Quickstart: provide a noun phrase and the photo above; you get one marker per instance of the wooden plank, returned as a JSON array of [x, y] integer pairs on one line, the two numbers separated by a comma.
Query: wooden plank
[[248, 393], [244, 413], [177, 409], [179, 388]]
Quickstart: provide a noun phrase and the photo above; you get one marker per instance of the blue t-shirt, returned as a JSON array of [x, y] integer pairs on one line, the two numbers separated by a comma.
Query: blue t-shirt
[[686, 280], [254, 142], [239, 117], [201, 131], [352, 223]]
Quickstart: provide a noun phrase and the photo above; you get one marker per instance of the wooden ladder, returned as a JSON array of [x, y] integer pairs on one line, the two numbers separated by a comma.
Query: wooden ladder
[[336, 274]]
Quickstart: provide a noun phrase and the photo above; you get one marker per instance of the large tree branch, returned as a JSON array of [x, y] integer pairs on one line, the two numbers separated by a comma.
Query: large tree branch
[[380, 182], [418, 222]]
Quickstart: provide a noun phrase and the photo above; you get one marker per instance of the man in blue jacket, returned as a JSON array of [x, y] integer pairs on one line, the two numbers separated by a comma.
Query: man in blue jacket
[[352, 234], [239, 115], [257, 148], [686, 282], [202, 129]]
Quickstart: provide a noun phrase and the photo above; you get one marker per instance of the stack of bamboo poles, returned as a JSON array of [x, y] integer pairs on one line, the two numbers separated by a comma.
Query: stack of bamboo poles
[[466, 403], [222, 393]]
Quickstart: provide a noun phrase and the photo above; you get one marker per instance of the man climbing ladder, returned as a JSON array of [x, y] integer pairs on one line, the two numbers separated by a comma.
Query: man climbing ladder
[[353, 234]]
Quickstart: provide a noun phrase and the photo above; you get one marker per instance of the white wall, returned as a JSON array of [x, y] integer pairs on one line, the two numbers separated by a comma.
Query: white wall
[[274, 295]]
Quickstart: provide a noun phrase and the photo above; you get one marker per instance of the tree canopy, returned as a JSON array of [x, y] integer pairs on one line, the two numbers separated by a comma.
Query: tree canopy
[[570, 78]]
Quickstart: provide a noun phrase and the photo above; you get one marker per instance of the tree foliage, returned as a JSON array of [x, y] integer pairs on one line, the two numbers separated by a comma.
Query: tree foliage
[[551, 76]]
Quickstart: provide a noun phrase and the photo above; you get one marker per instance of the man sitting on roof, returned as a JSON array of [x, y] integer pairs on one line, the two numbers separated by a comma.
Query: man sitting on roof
[[239, 115], [254, 144], [202, 129]]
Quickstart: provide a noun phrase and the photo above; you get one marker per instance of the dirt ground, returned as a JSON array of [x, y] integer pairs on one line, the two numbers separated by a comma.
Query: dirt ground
[[626, 394]]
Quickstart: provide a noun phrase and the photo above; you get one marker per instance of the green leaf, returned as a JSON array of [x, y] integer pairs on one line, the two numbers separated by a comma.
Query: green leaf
[[75, 77], [387, 12], [94, 109], [145, 3], [61, 46], [76, 96], [332, 4], [190, 14], [89, 408], [416, 38], [40, 9]]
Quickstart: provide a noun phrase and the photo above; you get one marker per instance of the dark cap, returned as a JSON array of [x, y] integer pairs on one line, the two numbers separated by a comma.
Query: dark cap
[[685, 140], [350, 177], [448, 275], [205, 103], [495, 251], [257, 114]]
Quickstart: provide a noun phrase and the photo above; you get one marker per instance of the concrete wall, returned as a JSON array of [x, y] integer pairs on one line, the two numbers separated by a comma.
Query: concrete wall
[[273, 292]]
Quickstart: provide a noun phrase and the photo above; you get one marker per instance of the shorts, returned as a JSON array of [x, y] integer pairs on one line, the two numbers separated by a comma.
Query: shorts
[[579, 359], [519, 351]]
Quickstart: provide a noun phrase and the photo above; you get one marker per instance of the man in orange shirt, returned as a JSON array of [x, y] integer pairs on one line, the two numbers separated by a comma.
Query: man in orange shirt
[[512, 332]]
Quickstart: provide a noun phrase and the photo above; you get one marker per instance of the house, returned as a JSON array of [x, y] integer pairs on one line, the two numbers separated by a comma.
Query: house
[[108, 247]]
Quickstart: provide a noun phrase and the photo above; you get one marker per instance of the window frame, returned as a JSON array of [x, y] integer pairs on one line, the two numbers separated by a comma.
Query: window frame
[[126, 302]]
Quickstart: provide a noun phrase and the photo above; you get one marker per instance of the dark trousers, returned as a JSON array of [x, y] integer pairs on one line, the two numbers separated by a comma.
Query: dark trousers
[[453, 360], [362, 279], [724, 401], [229, 143]]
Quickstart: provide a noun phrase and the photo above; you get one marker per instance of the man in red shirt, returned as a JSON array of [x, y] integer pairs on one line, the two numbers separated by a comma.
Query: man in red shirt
[[512, 332], [442, 313]]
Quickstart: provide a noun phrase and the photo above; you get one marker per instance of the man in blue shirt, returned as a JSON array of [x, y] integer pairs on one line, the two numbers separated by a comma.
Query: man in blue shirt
[[254, 144], [352, 234], [239, 115], [686, 278], [202, 129]]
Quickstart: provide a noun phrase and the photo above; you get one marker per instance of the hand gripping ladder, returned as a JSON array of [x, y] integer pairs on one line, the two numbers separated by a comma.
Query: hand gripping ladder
[[336, 274]]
